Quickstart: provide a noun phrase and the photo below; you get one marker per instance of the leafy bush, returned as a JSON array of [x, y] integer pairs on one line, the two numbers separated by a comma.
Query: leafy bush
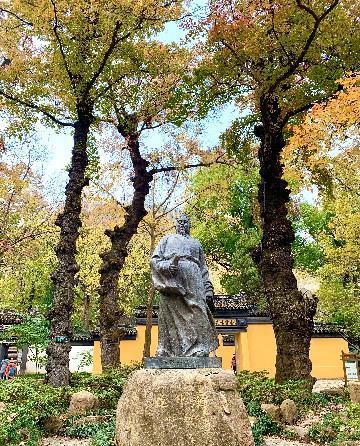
[[264, 424], [339, 428], [29, 402], [107, 387], [101, 433], [256, 388], [104, 436]]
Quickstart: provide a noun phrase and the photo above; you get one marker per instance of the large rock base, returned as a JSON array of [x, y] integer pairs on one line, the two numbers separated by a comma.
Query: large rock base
[[199, 407]]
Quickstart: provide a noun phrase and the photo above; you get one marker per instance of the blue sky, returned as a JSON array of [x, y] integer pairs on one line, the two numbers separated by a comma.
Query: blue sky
[[58, 145]]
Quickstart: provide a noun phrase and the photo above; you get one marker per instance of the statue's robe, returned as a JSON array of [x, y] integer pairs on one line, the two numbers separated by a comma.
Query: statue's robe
[[186, 326]]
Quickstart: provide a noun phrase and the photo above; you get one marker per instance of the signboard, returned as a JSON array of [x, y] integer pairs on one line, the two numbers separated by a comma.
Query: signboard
[[351, 370], [225, 322], [351, 365]]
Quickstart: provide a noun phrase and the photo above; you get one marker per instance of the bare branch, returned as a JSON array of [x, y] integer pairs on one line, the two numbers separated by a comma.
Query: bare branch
[[25, 22], [36, 108], [109, 86], [307, 9], [172, 168], [239, 60], [346, 186], [114, 41], [308, 106], [222, 263], [186, 166], [108, 193], [277, 37], [168, 211], [57, 36], [168, 195], [292, 113], [309, 41]]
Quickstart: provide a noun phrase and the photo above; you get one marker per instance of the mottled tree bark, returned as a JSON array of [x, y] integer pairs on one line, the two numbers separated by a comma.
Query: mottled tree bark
[[150, 303], [64, 276], [292, 312], [112, 319]]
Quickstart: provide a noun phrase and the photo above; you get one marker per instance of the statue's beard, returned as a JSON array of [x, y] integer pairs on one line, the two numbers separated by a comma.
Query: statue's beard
[[182, 231]]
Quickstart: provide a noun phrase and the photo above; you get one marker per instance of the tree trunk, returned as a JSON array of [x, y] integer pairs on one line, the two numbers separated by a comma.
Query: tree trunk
[[149, 313], [112, 320], [86, 312], [150, 303], [291, 312], [58, 350], [24, 357]]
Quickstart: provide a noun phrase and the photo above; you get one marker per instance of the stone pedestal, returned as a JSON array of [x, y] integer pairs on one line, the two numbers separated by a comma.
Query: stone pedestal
[[183, 362], [194, 407]]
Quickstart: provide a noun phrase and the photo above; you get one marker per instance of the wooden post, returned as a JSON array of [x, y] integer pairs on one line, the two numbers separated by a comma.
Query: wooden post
[[344, 368]]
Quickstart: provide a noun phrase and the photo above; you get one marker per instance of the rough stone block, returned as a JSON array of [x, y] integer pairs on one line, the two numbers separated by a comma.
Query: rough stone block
[[333, 391], [288, 411], [83, 401], [54, 424], [302, 433], [273, 411], [354, 390], [182, 408]]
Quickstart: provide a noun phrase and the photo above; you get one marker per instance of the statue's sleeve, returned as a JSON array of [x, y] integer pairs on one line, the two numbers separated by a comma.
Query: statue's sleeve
[[209, 289], [159, 263], [164, 281]]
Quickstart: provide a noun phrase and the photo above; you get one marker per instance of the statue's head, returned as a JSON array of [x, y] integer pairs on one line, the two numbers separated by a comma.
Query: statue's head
[[183, 225]]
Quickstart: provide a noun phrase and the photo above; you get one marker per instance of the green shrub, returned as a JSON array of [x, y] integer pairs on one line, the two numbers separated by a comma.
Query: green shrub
[[29, 402], [107, 387], [338, 428], [256, 388], [104, 436], [101, 433], [264, 424]]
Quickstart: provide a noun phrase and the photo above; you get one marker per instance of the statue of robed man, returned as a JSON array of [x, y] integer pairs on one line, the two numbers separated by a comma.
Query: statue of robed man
[[179, 272]]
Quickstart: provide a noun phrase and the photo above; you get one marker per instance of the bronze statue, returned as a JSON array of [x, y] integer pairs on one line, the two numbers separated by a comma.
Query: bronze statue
[[180, 274]]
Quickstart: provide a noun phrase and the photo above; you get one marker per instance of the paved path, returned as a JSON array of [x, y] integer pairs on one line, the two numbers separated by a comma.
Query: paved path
[[277, 441], [322, 384], [62, 441]]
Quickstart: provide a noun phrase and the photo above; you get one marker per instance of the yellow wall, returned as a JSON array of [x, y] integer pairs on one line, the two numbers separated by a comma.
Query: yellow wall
[[262, 347], [132, 350], [325, 354], [226, 353], [255, 351], [97, 358]]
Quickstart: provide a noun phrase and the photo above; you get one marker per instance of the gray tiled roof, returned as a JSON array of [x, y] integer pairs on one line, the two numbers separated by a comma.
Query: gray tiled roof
[[9, 317]]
